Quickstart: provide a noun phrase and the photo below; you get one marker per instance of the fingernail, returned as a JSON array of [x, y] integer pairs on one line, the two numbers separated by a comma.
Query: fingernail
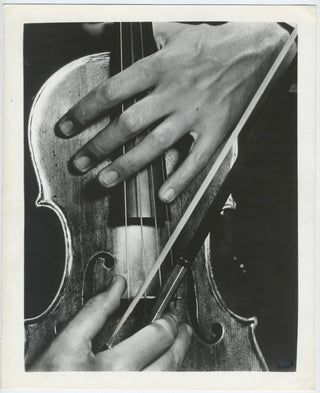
[[168, 194], [65, 127], [109, 178], [82, 163]]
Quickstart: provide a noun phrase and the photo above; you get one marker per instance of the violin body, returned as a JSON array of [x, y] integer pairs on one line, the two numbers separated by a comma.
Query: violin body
[[96, 248]]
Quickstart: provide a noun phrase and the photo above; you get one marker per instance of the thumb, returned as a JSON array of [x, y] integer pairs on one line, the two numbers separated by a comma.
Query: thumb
[[164, 31]]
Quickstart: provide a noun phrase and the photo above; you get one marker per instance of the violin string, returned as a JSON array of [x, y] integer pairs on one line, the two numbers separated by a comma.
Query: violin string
[[138, 177], [153, 197], [164, 178], [125, 182]]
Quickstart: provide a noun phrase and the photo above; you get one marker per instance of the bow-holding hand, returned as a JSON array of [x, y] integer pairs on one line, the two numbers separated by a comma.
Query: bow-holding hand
[[199, 82], [160, 346]]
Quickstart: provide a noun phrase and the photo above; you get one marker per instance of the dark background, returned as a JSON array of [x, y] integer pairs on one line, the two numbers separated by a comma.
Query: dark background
[[256, 263]]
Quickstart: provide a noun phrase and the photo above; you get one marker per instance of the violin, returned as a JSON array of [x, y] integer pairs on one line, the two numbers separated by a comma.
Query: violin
[[125, 230]]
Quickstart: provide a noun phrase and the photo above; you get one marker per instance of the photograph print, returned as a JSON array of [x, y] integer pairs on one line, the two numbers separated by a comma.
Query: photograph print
[[160, 186]]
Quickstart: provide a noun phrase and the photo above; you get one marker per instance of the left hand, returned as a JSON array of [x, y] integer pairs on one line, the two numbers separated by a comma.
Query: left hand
[[200, 82]]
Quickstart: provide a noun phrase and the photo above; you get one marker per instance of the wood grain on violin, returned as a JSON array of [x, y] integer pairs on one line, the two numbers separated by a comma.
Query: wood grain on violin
[[124, 230]]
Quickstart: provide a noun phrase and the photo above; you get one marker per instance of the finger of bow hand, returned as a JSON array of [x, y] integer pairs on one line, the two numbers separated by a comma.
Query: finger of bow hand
[[141, 349], [133, 80], [173, 358]]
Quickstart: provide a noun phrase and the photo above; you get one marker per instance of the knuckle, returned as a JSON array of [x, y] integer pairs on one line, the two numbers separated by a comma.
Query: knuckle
[[200, 159], [96, 148], [187, 78], [283, 35], [282, 39], [148, 68], [130, 121], [160, 138], [110, 91], [276, 32], [273, 38], [127, 164]]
